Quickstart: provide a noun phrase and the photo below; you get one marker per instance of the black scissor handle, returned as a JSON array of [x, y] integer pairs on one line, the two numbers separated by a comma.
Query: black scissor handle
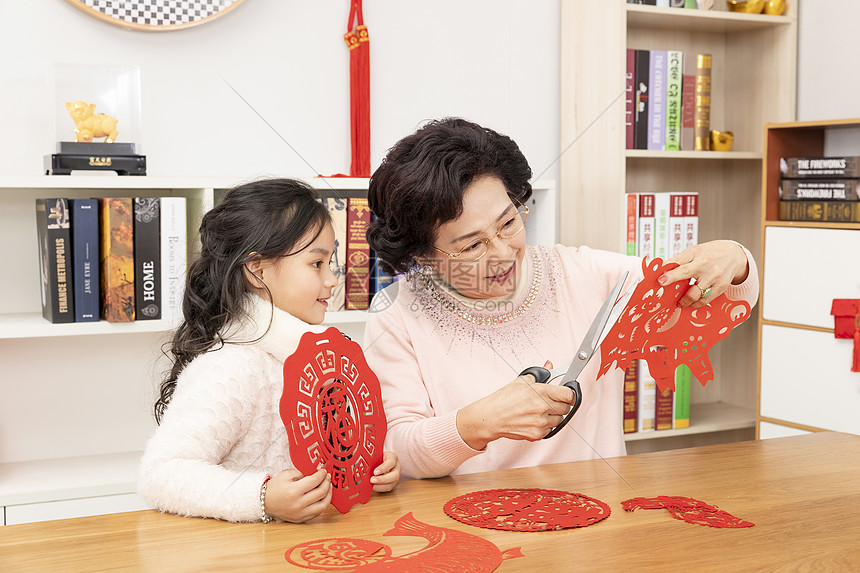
[[541, 376]]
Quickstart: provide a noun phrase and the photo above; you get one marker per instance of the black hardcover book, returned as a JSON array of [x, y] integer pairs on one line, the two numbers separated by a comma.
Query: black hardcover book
[[822, 211], [819, 189], [819, 167], [55, 259], [85, 258], [640, 110], [147, 258]]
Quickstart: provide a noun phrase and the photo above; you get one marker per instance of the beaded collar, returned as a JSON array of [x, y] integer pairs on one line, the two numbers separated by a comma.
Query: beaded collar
[[452, 305]]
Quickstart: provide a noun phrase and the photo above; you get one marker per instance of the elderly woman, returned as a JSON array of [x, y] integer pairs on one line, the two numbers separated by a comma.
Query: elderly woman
[[478, 305]]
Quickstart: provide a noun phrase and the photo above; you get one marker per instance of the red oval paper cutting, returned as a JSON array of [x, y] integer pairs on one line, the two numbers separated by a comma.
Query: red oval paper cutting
[[529, 509], [332, 409]]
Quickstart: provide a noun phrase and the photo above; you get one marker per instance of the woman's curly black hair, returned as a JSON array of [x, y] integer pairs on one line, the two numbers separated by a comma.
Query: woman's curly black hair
[[421, 182]]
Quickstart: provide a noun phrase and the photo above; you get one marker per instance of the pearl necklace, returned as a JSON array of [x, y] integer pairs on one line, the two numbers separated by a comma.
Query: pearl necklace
[[455, 307]]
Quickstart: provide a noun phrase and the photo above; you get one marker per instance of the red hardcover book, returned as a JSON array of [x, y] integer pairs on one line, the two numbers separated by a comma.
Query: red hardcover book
[[632, 222], [691, 219], [645, 236], [664, 412], [677, 221], [631, 396], [357, 254], [116, 235]]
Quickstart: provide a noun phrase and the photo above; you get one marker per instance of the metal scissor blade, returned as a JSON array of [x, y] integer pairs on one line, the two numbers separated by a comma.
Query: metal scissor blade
[[617, 310], [595, 333]]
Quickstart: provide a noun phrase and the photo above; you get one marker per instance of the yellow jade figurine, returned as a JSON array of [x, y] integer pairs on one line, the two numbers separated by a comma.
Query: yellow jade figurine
[[775, 8], [722, 140], [89, 124], [746, 6]]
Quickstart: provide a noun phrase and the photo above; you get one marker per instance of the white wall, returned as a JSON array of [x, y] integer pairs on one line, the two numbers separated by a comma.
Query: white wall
[[492, 61], [828, 86]]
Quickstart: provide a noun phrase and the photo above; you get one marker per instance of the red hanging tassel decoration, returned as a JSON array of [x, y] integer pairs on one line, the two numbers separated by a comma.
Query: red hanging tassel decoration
[[358, 42]]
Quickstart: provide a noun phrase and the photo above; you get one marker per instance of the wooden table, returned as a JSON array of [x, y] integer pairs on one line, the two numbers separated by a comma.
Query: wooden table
[[802, 493]]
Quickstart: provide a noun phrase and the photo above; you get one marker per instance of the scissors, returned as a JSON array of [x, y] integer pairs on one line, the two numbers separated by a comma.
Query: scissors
[[607, 315]]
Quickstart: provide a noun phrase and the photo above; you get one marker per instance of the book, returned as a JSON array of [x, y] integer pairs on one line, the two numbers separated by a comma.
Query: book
[[822, 189], [85, 258], [632, 222], [664, 413], [663, 3], [690, 4], [676, 3], [657, 101], [823, 211], [116, 242], [337, 210], [645, 421], [688, 103], [174, 255], [357, 254], [629, 98], [55, 259], [645, 234], [631, 396], [677, 223], [819, 167], [683, 376], [674, 86], [691, 219], [147, 258], [640, 111], [661, 225], [702, 127], [649, 2]]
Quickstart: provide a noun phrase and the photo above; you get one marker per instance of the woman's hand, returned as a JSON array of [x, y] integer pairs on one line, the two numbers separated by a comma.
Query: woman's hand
[[520, 410], [715, 265], [290, 496], [387, 474]]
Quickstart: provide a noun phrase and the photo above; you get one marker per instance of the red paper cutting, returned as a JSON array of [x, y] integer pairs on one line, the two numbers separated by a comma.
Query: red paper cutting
[[332, 409], [447, 551], [653, 327], [528, 509], [689, 510]]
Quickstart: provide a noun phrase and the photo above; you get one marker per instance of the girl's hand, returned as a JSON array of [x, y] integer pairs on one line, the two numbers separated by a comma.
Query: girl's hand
[[714, 265], [520, 410], [290, 496], [387, 474]]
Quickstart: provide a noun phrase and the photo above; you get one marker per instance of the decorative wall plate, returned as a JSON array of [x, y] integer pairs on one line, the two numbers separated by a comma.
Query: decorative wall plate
[[155, 15], [332, 410]]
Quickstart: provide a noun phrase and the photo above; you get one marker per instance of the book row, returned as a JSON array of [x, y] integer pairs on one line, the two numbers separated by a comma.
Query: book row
[[355, 264], [661, 224], [693, 4], [647, 409], [119, 259], [823, 189], [668, 100]]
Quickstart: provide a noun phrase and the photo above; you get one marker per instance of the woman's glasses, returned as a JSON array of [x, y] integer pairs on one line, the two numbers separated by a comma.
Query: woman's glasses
[[477, 249]]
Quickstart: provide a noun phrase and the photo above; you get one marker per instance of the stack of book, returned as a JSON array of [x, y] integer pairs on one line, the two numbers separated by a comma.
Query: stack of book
[[658, 225], [360, 276], [693, 4], [668, 100], [820, 189], [118, 259]]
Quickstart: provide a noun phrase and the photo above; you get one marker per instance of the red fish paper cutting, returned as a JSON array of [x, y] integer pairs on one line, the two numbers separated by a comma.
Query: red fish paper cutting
[[447, 551], [332, 409], [653, 328], [527, 509], [689, 510]]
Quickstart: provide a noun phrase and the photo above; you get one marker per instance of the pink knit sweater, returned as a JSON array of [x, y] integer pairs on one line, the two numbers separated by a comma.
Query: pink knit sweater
[[431, 363]]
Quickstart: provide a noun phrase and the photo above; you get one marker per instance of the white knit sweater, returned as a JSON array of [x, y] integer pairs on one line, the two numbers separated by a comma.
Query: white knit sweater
[[222, 433]]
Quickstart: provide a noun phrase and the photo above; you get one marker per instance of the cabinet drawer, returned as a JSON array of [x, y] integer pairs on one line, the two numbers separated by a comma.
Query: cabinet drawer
[[805, 269], [68, 508], [806, 378]]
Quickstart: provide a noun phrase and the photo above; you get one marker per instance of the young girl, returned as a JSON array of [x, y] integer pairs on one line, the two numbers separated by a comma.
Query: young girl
[[262, 278]]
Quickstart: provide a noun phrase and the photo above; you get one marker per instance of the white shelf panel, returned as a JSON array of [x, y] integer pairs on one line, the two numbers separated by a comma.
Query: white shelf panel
[[68, 478], [11, 183], [643, 16], [717, 155], [705, 418]]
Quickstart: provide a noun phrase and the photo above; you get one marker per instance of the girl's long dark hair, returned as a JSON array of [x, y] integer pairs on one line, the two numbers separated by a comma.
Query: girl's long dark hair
[[259, 220]]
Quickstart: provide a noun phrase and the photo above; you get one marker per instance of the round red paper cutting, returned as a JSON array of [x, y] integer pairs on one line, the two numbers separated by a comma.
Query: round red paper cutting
[[528, 509]]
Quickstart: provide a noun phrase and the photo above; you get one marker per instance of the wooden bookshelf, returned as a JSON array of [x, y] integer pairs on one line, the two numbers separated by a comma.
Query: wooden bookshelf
[[753, 82]]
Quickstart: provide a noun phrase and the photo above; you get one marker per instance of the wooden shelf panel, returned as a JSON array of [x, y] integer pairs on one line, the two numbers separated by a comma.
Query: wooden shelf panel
[[705, 418], [707, 155], [643, 16]]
